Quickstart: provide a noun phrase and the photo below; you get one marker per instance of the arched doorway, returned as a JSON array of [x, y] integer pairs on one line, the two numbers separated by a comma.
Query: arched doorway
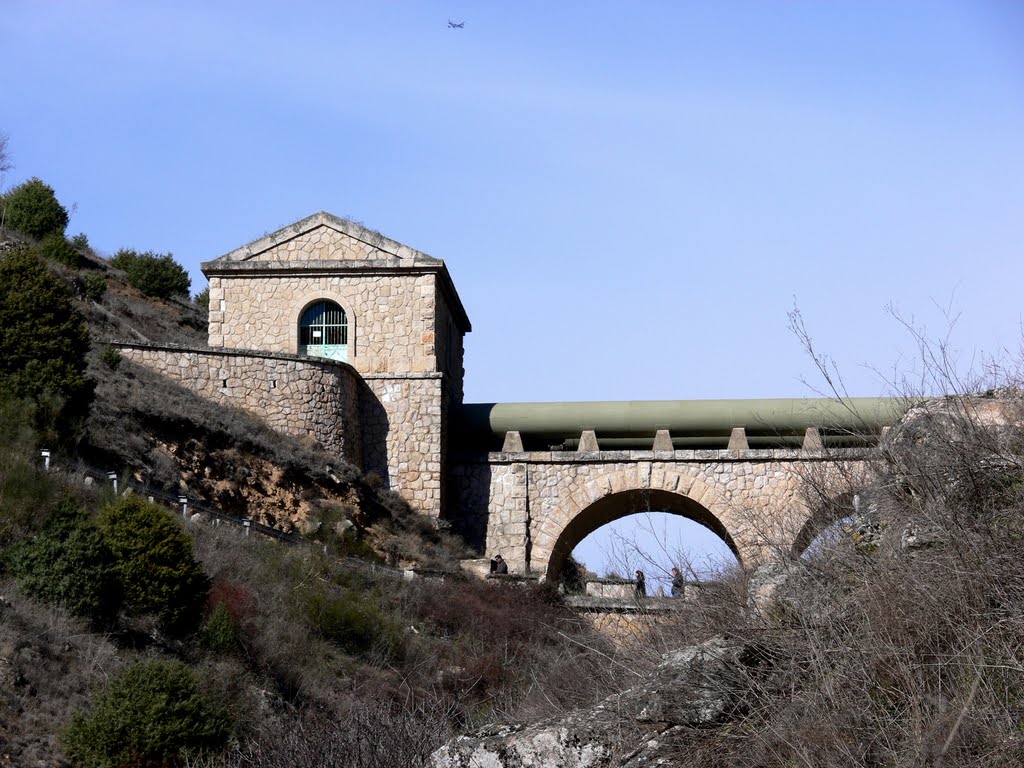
[[323, 331], [619, 505]]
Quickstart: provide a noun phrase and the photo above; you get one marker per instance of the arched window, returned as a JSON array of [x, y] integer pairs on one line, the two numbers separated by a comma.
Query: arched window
[[323, 331]]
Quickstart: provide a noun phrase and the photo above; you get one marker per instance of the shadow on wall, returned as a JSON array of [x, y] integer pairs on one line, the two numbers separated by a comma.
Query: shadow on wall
[[469, 481], [375, 428]]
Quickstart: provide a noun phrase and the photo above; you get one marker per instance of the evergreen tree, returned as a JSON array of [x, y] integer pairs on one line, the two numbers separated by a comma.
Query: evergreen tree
[[33, 208], [155, 274], [149, 716], [43, 344], [154, 559], [69, 564]]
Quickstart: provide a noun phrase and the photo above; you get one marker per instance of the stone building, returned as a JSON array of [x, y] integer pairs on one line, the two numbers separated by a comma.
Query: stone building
[[327, 329]]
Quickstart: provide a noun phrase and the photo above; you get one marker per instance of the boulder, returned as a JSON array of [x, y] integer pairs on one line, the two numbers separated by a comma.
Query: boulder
[[698, 686]]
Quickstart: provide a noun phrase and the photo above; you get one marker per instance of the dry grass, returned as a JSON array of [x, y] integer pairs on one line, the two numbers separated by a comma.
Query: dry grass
[[49, 664]]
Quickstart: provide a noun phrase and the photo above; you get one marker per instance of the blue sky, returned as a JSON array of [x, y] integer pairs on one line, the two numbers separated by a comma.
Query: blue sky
[[629, 196]]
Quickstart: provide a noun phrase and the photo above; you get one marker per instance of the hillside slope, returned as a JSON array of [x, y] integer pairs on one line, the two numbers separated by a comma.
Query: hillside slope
[[165, 438], [129, 636]]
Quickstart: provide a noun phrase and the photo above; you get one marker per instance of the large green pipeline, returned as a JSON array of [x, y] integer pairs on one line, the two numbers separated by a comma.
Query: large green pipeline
[[556, 422]]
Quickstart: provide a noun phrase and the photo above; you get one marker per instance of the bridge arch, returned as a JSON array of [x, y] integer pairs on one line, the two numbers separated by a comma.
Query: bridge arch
[[584, 506], [829, 512], [614, 506]]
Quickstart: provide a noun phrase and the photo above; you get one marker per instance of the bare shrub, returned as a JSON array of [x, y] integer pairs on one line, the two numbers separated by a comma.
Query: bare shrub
[[511, 651], [363, 736], [902, 648]]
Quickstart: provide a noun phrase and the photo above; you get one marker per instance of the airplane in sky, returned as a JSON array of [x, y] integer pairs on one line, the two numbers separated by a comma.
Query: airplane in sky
[[456, 24]]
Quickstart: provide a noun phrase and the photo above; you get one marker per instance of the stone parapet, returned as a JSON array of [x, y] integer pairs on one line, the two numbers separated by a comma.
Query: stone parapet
[[298, 396]]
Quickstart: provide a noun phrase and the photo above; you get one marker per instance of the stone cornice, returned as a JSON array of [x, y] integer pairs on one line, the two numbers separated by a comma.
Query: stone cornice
[[324, 266]]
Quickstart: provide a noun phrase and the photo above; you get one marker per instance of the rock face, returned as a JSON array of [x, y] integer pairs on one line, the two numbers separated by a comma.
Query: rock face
[[698, 686], [765, 582], [518, 747]]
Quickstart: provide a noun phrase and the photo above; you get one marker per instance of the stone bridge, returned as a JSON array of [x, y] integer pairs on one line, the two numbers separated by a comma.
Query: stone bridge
[[535, 507]]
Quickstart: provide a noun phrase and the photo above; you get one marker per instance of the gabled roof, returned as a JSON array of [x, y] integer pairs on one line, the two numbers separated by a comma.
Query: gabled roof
[[323, 219], [380, 255]]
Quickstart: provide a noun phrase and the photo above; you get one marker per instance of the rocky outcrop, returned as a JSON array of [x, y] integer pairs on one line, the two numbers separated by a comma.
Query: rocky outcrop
[[698, 686], [765, 582]]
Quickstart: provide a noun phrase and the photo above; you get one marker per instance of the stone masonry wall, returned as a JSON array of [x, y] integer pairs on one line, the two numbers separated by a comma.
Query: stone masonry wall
[[301, 397], [403, 436], [469, 488], [391, 323]]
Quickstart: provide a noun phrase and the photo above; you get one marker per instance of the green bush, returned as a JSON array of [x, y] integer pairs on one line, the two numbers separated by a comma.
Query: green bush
[[155, 274], [43, 343], [55, 247], [151, 715], [95, 286], [219, 632], [354, 622], [33, 208], [111, 357], [25, 488], [202, 299], [80, 242], [154, 559], [69, 564]]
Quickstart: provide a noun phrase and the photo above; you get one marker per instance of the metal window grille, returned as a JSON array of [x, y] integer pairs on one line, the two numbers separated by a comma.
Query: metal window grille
[[323, 323]]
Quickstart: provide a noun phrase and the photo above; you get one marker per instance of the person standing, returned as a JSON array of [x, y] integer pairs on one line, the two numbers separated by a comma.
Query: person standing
[[678, 583], [641, 584], [500, 566]]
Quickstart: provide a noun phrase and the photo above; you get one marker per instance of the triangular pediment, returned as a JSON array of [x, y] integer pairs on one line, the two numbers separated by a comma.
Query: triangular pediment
[[328, 245], [320, 238]]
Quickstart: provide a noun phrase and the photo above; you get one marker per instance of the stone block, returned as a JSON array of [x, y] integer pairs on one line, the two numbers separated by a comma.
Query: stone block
[[588, 442], [812, 440], [662, 441], [513, 443], [738, 440]]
